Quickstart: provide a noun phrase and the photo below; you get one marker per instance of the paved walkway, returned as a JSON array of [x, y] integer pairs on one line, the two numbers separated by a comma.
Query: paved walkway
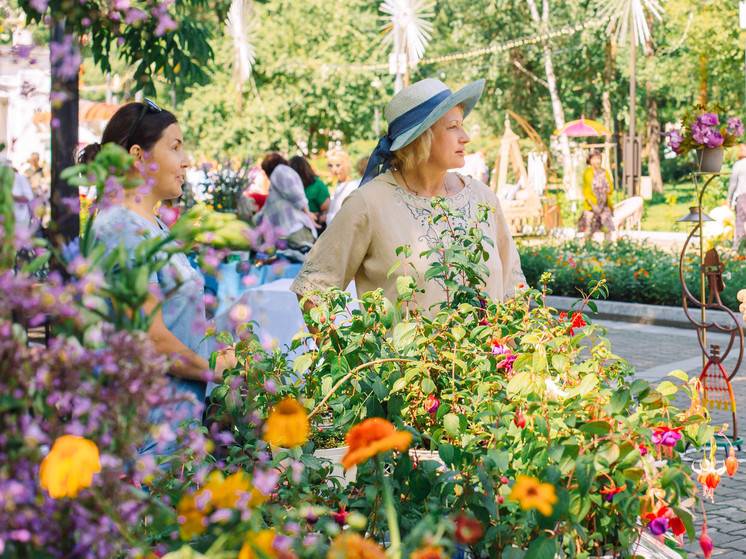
[[654, 351]]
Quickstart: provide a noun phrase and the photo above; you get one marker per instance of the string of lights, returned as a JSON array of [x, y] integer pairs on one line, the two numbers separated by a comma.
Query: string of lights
[[491, 49]]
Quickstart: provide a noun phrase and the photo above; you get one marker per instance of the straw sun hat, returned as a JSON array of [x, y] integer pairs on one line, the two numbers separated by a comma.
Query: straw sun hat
[[412, 111]]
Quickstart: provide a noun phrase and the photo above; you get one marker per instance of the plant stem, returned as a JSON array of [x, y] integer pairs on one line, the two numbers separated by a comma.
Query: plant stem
[[394, 550], [349, 375]]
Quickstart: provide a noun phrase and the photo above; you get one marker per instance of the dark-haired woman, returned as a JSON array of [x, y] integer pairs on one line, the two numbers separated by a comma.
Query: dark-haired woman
[[153, 137], [286, 209], [317, 193]]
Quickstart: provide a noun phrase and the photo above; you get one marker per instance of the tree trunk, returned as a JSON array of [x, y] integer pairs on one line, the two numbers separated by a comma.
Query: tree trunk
[[653, 138], [653, 127], [65, 224], [542, 22], [608, 77]]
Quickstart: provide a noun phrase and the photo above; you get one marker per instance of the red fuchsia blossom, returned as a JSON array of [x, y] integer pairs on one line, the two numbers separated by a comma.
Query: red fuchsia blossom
[[643, 449], [519, 419], [658, 521], [340, 517], [468, 530], [705, 543], [576, 321], [609, 492], [432, 404], [677, 526]]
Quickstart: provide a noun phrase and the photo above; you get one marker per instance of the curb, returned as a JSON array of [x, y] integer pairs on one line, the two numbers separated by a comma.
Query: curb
[[638, 313]]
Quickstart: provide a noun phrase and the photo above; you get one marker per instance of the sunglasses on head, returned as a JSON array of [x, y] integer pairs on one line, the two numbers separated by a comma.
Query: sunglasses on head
[[148, 106]]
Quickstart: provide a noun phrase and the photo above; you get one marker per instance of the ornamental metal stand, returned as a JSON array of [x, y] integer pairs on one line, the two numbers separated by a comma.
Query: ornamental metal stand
[[715, 379]]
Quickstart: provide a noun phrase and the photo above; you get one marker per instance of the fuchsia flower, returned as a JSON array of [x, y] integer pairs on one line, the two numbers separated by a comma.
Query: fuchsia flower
[[666, 436], [705, 542], [431, 404]]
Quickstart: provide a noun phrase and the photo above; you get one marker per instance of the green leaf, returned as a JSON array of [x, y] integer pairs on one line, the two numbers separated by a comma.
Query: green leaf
[[619, 401], [404, 334], [400, 384], [688, 521], [519, 383], [679, 374], [302, 363], [451, 424], [513, 553], [428, 386], [596, 427], [560, 362], [586, 386], [542, 548], [667, 388]]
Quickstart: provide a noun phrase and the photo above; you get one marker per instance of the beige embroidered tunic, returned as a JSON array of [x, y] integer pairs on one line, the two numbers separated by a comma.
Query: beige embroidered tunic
[[377, 218]]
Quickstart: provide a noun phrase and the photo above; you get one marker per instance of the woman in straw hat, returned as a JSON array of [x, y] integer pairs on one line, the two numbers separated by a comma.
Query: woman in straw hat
[[393, 207]]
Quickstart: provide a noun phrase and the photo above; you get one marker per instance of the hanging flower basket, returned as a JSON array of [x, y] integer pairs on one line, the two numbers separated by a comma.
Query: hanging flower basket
[[710, 160]]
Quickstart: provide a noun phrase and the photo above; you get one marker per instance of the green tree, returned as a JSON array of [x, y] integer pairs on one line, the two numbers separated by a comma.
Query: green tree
[[166, 38]]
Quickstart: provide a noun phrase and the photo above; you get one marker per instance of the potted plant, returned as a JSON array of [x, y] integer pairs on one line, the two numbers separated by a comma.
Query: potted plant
[[708, 132]]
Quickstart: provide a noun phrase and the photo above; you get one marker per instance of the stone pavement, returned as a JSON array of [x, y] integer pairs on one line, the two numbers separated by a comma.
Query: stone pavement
[[654, 351]]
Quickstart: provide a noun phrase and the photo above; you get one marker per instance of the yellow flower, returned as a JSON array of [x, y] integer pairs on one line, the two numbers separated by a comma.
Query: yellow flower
[[69, 466], [350, 545], [287, 425], [258, 545], [530, 493], [428, 552], [371, 437], [192, 521], [225, 492]]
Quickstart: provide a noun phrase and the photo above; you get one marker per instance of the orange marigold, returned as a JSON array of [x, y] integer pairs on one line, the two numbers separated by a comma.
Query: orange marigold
[[371, 437], [428, 552], [350, 545]]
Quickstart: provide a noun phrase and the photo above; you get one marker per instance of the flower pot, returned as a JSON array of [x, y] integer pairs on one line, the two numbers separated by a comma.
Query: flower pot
[[334, 455], [710, 160]]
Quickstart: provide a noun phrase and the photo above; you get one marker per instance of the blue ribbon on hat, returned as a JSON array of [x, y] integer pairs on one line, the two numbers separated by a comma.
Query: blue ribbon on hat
[[380, 159]]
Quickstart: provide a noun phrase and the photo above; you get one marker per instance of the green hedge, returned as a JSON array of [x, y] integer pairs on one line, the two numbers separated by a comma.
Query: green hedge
[[635, 272]]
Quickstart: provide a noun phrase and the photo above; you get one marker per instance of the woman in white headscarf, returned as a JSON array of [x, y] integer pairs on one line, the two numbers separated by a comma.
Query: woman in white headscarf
[[286, 208]]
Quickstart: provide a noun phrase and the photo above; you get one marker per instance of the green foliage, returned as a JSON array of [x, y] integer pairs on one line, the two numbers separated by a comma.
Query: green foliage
[[634, 272], [177, 55]]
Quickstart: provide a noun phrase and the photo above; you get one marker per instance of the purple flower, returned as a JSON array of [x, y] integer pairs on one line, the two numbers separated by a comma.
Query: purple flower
[[65, 56], [675, 139], [714, 139], [665, 436], [735, 126], [39, 5], [265, 480], [658, 526], [708, 119], [165, 23]]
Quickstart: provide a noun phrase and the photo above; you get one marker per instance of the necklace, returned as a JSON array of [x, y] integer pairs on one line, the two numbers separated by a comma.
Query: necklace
[[413, 191]]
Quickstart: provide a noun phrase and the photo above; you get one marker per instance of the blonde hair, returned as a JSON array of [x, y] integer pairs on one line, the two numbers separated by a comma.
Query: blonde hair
[[414, 154], [340, 156]]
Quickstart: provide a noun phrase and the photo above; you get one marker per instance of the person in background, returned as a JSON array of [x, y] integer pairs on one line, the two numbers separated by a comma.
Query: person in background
[[597, 207], [737, 194], [286, 208], [316, 191], [340, 168]]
